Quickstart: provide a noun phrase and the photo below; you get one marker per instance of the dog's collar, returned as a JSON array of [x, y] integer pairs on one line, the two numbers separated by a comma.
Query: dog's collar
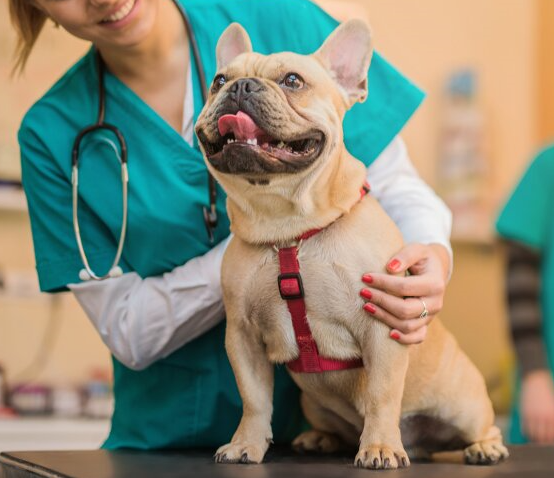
[[292, 290]]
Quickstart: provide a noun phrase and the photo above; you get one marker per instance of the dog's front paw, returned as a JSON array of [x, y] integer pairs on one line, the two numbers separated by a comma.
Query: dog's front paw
[[488, 452], [241, 452], [316, 440], [378, 457]]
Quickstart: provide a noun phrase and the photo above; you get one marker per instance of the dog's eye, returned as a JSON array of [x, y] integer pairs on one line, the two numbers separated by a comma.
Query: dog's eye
[[218, 82], [293, 81]]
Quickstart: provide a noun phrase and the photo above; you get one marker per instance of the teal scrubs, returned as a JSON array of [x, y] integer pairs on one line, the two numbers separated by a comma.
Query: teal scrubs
[[189, 398], [528, 218]]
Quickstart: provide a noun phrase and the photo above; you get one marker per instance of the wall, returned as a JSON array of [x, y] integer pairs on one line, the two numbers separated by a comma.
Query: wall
[[545, 97], [428, 39]]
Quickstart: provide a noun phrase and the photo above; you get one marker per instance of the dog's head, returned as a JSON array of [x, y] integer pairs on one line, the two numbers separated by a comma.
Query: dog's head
[[281, 114]]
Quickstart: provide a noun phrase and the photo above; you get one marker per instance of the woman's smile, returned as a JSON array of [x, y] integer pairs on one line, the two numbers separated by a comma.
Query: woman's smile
[[121, 15]]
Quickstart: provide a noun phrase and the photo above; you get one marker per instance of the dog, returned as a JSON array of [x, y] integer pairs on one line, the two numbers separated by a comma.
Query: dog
[[271, 134]]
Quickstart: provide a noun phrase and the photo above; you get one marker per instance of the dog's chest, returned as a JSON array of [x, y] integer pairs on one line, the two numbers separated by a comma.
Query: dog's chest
[[332, 303], [331, 265]]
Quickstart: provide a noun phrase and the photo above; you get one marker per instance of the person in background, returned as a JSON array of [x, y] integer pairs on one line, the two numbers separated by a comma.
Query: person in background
[[163, 318], [527, 226]]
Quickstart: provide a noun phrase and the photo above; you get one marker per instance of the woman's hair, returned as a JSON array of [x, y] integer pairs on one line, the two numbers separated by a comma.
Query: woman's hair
[[28, 21]]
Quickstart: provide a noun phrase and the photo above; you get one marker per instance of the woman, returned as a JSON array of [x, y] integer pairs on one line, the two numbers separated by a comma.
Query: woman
[[526, 224], [162, 319]]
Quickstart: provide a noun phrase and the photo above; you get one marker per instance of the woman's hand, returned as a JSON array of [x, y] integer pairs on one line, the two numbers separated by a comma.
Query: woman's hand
[[400, 301], [537, 407]]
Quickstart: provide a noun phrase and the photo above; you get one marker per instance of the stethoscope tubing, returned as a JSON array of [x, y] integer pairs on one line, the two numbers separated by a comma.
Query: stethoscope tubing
[[210, 215], [87, 273]]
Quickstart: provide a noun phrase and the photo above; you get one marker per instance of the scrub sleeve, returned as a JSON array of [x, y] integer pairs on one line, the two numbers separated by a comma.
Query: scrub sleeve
[[528, 218], [189, 398]]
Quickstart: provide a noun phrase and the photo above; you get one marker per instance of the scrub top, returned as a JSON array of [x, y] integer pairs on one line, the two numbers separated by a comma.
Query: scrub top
[[528, 218], [189, 398]]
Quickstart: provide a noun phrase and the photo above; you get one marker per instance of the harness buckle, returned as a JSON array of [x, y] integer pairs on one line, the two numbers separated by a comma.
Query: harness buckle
[[290, 286]]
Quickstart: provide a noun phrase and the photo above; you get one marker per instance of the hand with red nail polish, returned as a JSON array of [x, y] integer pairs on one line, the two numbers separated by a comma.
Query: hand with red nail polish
[[394, 265], [400, 300]]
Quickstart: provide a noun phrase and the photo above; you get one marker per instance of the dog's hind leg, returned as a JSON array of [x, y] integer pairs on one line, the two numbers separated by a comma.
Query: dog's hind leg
[[487, 451], [466, 406], [475, 419], [330, 433], [446, 406]]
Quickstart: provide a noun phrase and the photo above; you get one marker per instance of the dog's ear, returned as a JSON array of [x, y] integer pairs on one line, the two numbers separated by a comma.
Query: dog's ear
[[347, 54], [232, 42]]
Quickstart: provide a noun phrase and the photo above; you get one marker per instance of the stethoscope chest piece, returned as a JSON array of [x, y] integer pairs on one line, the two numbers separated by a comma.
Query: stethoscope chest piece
[[85, 275]]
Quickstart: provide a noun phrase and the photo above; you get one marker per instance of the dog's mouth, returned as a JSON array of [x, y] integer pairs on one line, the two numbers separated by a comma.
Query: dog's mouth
[[244, 147]]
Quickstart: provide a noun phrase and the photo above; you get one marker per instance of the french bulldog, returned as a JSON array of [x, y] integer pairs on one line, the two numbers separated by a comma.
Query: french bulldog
[[271, 134]]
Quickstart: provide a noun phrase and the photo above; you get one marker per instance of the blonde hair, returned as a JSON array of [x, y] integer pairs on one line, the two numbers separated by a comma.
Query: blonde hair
[[28, 22]]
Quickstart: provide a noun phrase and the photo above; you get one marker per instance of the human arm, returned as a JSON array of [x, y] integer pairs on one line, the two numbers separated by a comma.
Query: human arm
[[188, 299], [144, 320], [525, 315], [425, 223]]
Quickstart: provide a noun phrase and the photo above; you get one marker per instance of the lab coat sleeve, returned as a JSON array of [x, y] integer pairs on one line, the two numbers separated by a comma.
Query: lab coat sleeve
[[144, 320], [418, 212]]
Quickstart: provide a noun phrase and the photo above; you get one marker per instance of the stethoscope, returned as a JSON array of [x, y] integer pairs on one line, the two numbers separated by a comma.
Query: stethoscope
[[210, 214]]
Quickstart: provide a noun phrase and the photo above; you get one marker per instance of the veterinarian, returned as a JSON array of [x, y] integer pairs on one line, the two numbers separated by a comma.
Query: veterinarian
[[526, 223], [161, 312]]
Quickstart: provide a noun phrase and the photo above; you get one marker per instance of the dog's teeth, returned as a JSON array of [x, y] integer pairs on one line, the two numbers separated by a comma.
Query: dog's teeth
[[255, 141], [228, 141], [281, 145]]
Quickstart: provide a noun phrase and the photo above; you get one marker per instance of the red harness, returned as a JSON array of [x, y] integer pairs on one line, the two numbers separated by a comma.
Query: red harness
[[291, 290]]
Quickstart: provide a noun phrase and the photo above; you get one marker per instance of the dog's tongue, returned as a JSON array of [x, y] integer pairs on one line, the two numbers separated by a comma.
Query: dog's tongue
[[242, 126]]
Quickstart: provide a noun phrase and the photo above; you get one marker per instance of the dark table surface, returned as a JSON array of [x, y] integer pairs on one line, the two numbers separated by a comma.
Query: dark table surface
[[524, 462]]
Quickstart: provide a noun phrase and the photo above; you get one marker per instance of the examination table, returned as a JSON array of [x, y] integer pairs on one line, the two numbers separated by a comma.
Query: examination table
[[527, 461]]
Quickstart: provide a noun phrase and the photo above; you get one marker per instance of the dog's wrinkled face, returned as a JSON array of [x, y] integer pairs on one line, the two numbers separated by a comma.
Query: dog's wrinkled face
[[279, 114], [258, 124]]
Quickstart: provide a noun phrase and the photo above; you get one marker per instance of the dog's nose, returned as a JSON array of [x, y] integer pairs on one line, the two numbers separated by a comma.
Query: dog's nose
[[244, 88]]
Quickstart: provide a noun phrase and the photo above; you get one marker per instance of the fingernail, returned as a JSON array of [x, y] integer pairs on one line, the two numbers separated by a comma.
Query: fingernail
[[367, 278], [394, 335], [394, 264], [366, 293], [370, 308]]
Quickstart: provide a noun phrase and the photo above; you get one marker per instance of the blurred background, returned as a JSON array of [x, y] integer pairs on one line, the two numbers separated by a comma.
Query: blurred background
[[487, 69]]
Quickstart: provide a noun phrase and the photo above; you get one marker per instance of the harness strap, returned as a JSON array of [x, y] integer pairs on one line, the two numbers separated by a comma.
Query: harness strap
[[292, 290]]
